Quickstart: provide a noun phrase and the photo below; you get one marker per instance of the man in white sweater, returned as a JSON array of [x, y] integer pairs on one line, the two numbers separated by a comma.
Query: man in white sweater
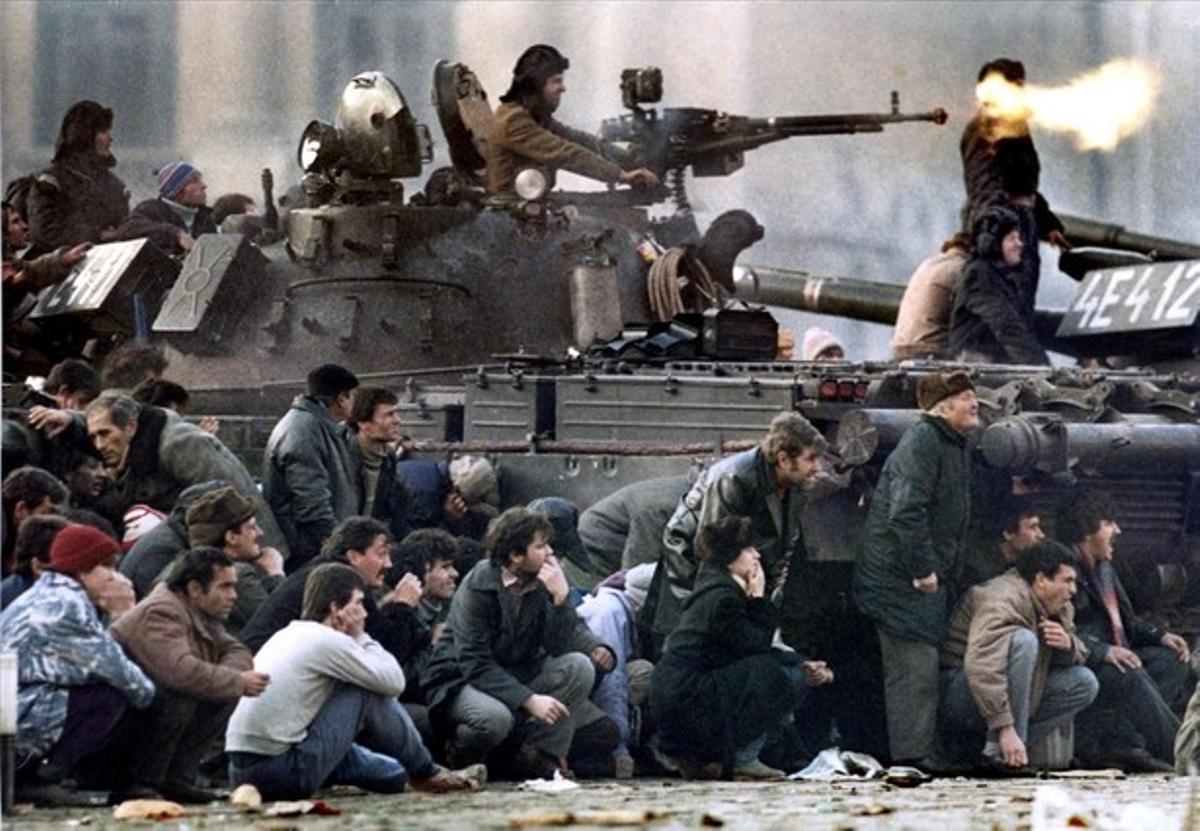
[[330, 715]]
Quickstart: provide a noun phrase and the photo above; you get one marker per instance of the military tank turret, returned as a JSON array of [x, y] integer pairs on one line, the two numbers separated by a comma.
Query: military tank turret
[[525, 328]]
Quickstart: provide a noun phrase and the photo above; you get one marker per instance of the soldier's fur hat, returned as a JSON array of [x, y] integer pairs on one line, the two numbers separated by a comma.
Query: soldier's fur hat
[[535, 66]]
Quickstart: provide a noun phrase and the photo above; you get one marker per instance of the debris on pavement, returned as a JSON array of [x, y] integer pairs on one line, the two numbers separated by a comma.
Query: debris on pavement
[[148, 809], [558, 784], [246, 797], [606, 819]]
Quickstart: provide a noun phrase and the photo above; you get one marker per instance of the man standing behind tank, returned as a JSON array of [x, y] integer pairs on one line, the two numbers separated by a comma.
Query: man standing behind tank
[[524, 132], [914, 538], [310, 473], [762, 484]]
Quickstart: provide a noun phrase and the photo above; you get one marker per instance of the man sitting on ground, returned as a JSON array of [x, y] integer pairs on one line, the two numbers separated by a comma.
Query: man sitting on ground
[[199, 669], [1011, 663], [330, 715], [75, 682], [1144, 672], [1018, 527]]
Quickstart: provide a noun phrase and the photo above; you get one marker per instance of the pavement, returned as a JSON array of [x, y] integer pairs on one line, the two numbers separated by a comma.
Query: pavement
[[960, 804]]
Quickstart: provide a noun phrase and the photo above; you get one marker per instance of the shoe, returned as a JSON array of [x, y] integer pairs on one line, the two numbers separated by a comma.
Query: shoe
[[187, 794], [447, 781], [991, 767], [530, 762], [756, 771], [134, 790], [1137, 760], [54, 795], [689, 768]]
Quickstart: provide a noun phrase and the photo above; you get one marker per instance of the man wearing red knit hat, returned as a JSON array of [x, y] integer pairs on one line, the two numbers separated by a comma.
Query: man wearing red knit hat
[[75, 682]]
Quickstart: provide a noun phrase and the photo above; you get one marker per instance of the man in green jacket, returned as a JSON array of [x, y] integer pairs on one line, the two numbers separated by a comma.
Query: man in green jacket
[[524, 132], [914, 538]]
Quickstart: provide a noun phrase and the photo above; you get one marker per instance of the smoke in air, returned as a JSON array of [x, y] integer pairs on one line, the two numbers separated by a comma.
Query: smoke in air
[[1097, 109]]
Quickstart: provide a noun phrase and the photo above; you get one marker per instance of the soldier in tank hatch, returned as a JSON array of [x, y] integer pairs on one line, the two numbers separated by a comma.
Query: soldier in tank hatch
[[524, 132]]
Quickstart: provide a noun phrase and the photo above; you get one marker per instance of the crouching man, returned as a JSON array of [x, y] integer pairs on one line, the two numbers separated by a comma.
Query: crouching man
[[516, 659], [330, 715], [177, 635], [1012, 663]]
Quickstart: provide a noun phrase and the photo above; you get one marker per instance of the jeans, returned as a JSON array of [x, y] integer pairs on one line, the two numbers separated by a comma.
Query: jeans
[[1067, 691], [358, 738]]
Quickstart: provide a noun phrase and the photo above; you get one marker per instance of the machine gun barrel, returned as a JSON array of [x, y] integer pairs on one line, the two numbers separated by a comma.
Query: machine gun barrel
[[1082, 231]]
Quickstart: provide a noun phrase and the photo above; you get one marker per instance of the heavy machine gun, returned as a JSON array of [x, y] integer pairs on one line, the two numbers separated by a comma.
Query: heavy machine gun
[[714, 143]]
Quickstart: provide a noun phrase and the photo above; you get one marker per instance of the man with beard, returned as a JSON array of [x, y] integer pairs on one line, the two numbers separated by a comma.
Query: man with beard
[[524, 132], [78, 199]]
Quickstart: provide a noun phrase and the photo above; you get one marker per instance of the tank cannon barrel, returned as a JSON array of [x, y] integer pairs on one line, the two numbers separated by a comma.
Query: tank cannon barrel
[[1028, 444], [1082, 231], [841, 296], [1039, 442]]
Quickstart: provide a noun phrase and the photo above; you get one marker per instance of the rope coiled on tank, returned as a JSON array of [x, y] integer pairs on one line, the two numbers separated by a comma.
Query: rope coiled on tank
[[672, 275]]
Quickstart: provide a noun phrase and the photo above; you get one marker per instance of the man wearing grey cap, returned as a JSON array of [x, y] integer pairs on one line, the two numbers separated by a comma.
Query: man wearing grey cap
[[913, 540], [224, 519]]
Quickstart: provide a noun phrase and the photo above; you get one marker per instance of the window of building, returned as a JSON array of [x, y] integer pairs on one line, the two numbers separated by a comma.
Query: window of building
[[120, 55]]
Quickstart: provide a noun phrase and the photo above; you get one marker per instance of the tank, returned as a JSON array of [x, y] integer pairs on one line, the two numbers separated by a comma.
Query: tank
[[547, 330]]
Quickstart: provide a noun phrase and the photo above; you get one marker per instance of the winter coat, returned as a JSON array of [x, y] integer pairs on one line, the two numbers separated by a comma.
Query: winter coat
[[182, 649], [518, 140], [625, 528], [700, 685], [72, 201], [166, 455], [742, 485], [610, 616], [1095, 627], [998, 169], [980, 631], [923, 319], [989, 318], [395, 626], [390, 504], [156, 220], [916, 525], [60, 643], [487, 645], [310, 477]]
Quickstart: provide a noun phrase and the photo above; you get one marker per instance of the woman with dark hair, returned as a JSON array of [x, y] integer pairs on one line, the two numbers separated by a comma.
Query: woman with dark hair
[[78, 199], [720, 686]]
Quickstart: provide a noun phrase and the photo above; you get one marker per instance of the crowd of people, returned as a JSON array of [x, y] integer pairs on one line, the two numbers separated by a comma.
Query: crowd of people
[[178, 629], [369, 619]]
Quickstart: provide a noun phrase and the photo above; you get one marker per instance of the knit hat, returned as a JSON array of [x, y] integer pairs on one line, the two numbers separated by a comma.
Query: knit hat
[[817, 340], [138, 521], [216, 512], [80, 548], [637, 583], [938, 386], [172, 177]]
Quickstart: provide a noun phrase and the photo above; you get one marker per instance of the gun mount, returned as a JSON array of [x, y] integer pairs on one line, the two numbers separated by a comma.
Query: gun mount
[[714, 143]]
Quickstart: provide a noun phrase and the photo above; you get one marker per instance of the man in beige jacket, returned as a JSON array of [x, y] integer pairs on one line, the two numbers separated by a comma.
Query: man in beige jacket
[[1012, 663], [524, 132]]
